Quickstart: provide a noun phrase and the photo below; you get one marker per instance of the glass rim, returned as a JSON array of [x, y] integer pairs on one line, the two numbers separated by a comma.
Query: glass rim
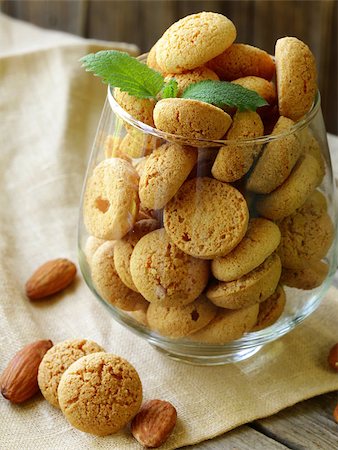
[[143, 127]]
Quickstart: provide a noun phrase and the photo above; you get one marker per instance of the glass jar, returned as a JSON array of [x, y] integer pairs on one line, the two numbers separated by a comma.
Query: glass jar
[[199, 321]]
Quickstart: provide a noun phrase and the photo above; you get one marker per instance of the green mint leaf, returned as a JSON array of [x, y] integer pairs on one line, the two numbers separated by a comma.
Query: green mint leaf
[[125, 72], [170, 89], [221, 93]]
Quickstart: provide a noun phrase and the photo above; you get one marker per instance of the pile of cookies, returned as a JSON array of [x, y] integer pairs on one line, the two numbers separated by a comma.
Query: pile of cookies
[[195, 239]]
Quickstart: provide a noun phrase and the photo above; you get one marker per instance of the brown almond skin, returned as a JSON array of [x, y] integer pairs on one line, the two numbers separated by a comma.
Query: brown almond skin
[[335, 414], [50, 278], [333, 357], [19, 381], [154, 422]]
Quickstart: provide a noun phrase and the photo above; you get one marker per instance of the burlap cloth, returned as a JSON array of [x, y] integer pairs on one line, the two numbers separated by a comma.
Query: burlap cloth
[[49, 112]]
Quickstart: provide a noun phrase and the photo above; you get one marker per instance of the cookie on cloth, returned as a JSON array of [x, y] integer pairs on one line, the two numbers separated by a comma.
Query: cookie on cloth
[[111, 202], [289, 196], [163, 274], [233, 160], [242, 60], [184, 79], [307, 278], [180, 321], [100, 393], [206, 218], [227, 325], [254, 287], [57, 360], [296, 77], [277, 159], [260, 241], [271, 309], [194, 40], [109, 285]]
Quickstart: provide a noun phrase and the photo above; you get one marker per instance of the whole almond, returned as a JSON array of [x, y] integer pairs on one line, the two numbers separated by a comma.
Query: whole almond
[[333, 357], [50, 278], [335, 414], [153, 423], [18, 381]]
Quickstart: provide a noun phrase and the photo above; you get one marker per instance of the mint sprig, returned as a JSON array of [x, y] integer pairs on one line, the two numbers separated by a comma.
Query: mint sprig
[[170, 89], [224, 93]]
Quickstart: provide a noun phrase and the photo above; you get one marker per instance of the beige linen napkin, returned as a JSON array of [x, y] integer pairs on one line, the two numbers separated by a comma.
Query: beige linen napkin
[[49, 112]]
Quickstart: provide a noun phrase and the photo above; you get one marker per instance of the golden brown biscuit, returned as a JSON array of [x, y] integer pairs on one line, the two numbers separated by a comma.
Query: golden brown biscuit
[[111, 202], [152, 60], [164, 274], [111, 147], [261, 240], [308, 278], [109, 285], [227, 325], [242, 60], [276, 160], [234, 160], [100, 393], [124, 248], [254, 287], [206, 218], [263, 87], [296, 77], [136, 144], [312, 146], [164, 173], [271, 309], [57, 360], [139, 108], [184, 79], [92, 244], [191, 118], [290, 195], [193, 40], [180, 321]]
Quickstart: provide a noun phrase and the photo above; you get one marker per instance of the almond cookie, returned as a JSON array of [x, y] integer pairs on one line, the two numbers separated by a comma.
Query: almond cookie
[[290, 195], [261, 240], [100, 393], [234, 160], [227, 325], [191, 76], [296, 77], [180, 321], [270, 310], [139, 108], [111, 147], [193, 40], [92, 244], [165, 275], [312, 146], [164, 173], [307, 278], [109, 285], [137, 144], [242, 60], [152, 60], [191, 118], [307, 236], [124, 248], [254, 287], [206, 218], [57, 360], [277, 159], [111, 202], [263, 87]]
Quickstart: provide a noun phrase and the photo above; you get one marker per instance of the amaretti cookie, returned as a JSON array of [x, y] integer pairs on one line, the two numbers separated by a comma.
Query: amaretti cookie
[[260, 241], [242, 60], [296, 77], [57, 360], [137, 144], [227, 325], [254, 287], [191, 118], [92, 244], [290, 195], [194, 40], [206, 218], [164, 172], [152, 60], [276, 160], [164, 274], [109, 285], [100, 393], [180, 321], [307, 278], [184, 79], [111, 201], [263, 87], [235, 159], [139, 108], [271, 309]]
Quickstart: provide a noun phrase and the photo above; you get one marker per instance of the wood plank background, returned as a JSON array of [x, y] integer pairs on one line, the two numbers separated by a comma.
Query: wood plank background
[[258, 22]]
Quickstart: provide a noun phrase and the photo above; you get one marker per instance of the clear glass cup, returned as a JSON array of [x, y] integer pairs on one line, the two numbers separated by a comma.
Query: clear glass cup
[[114, 125]]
